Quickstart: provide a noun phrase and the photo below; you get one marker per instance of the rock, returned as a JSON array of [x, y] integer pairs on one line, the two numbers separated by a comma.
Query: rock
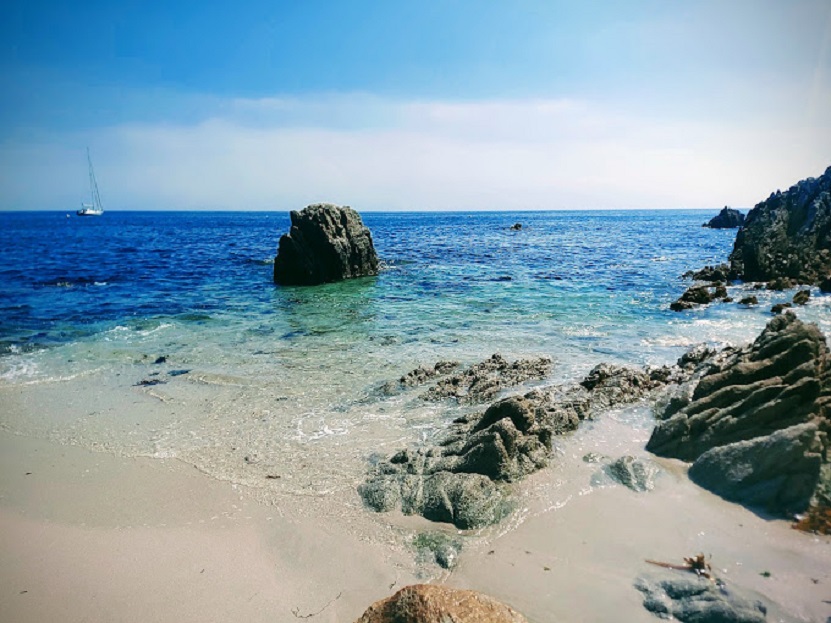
[[728, 218], [516, 226], [326, 243], [438, 547], [825, 285], [801, 297], [429, 603], [721, 273], [699, 295], [419, 376], [788, 235], [780, 307], [634, 473], [749, 300], [483, 381], [463, 478], [751, 405], [692, 599], [778, 284], [777, 473]]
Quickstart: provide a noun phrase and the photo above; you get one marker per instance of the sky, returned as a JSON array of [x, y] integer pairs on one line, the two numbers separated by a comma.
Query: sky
[[403, 105]]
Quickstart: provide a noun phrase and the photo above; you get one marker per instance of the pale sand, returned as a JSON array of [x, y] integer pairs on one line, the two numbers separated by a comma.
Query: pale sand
[[93, 537]]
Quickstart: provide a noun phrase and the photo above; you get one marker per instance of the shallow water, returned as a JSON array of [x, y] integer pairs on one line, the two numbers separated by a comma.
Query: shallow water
[[162, 334]]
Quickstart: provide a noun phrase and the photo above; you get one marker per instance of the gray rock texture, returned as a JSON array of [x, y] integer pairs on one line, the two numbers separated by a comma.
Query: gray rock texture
[[697, 295], [463, 478], [788, 235], [692, 599], [755, 421], [728, 218], [634, 473], [326, 243]]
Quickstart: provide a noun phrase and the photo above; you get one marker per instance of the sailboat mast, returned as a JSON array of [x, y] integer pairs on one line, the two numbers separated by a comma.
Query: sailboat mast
[[93, 185]]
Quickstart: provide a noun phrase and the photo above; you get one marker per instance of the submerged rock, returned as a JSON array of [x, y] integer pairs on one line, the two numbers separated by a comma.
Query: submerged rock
[[692, 599], [788, 235], [326, 243], [634, 473], [728, 218], [757, 421], [481, 382], [430, 603]]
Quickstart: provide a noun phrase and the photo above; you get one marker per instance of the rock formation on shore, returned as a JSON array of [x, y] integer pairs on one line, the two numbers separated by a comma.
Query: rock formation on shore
[[326, 243], [788, 235], [755, 421], [728, 218], [461, 479], [692, 599], [429, 603]]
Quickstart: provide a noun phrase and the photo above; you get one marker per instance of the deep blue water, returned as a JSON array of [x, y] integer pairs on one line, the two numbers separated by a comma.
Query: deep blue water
[[63, 279]]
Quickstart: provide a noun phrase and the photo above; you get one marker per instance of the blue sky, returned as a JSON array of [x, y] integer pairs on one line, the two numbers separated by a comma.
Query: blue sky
[[413, 105]]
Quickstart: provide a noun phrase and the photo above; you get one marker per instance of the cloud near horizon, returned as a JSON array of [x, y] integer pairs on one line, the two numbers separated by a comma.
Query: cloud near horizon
[[377, 153]]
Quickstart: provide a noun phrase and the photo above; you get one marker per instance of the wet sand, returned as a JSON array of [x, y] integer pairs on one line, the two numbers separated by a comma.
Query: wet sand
[[88, 536]]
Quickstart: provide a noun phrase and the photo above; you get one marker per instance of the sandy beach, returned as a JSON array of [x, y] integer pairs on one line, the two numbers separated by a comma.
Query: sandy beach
[[89, 536]]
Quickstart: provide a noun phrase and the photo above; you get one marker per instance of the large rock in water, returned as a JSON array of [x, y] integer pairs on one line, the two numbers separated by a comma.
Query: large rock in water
[[788, 236], [325, 243], [756, 423], [728, 218], [428, 603]]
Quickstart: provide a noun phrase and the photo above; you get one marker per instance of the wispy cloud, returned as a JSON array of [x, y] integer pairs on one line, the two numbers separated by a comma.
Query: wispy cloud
[[376, 153]]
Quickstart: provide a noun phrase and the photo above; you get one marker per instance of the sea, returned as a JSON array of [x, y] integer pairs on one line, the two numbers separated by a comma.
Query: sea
[[162, 334]]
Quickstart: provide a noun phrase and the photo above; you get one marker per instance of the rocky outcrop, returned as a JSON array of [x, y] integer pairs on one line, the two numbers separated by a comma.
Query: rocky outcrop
[[326, 243], [788, 235], [755, 422], [728, 218], [692, 599], [698, 295], [476, 384], [429, 603], [463, 478]]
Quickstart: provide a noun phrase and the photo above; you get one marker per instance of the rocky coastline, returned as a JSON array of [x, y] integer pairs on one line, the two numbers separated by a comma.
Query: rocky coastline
[[783, 242]]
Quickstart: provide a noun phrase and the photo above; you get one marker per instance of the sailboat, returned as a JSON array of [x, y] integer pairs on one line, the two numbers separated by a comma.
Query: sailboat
[[95, 208]]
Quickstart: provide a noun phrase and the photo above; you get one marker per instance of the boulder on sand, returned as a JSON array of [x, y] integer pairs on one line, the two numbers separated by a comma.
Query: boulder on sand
[[429, 603], [755, 424], [326, 243]]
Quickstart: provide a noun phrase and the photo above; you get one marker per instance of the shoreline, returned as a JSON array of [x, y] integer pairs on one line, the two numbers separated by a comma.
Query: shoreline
[[94, 536]]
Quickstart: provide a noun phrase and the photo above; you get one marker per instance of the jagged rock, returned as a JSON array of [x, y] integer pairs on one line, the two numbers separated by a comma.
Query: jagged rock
[[728, 218], [780, 381], [325, 243], [777, 472], [802, 297], [462, 479], [429, 603], [720, 273], [419, 376], [483, 381], [825, 285], [634, 473], [699, 295], [693, 599], [516, 226], [788, 235], [749, 300], [780, 307], [777, 284]]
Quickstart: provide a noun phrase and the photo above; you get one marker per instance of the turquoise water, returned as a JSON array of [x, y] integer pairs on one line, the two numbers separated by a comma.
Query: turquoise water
[[162, 334]]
